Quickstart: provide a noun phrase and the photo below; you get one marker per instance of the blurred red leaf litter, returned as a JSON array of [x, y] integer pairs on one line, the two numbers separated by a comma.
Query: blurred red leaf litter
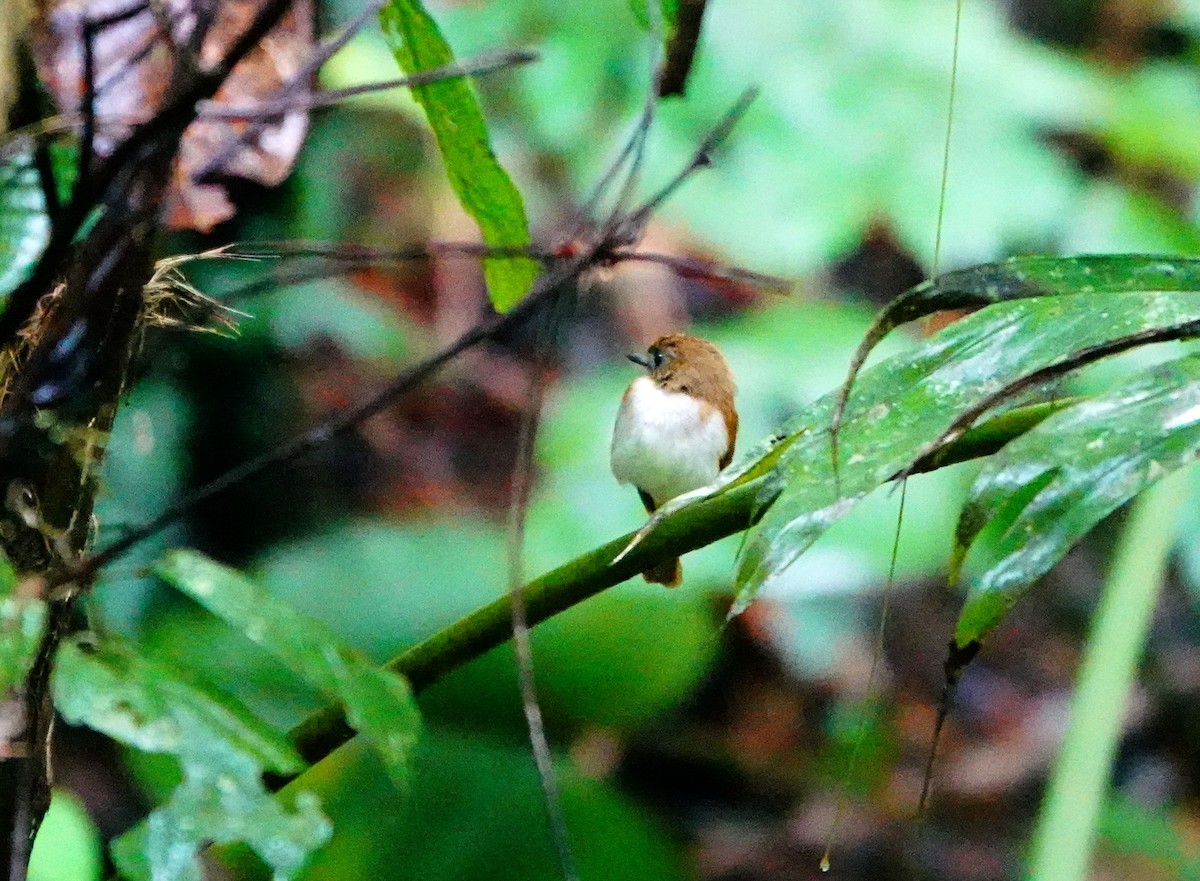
[[135, 49]]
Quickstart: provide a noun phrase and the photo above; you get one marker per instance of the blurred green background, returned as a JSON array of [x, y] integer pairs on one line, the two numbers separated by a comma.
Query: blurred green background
[[687, 748]]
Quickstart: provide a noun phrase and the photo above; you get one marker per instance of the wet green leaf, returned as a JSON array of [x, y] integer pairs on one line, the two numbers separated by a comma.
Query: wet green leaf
[[24, 227], [1048, 488], [1023, 278], [68, 844], [378, 703], [222, 749], [480, 182], [22, 620], [907, 402]]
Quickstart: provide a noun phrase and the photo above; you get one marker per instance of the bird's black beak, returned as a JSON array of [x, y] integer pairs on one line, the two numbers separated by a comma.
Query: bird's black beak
[[644, 360]]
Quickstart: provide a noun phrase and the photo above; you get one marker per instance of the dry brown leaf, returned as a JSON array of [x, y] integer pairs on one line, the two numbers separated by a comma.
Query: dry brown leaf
[[133, 61]]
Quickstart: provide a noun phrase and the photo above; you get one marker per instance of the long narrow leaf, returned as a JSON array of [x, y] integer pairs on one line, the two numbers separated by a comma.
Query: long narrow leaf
[[1050, 487], [1022, 278], [482, 185], [1067, 825], [905, 403]]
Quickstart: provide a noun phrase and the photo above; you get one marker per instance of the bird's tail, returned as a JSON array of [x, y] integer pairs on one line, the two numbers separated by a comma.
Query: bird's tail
[[668, 573]]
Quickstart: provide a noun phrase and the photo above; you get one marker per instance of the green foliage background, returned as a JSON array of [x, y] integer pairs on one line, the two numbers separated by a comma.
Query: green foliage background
[[847, 137]]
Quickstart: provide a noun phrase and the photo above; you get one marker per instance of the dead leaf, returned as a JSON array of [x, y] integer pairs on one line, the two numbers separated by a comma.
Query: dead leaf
[[134, 58]]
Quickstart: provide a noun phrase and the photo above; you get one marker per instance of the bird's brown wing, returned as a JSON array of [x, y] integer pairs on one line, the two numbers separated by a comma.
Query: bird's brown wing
[[731, 424]]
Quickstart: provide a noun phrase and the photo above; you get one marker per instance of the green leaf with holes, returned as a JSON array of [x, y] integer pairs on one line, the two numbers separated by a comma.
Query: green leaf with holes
[[222, 751], [1047, 489], [378, 703], [482, 185], [903, 405]]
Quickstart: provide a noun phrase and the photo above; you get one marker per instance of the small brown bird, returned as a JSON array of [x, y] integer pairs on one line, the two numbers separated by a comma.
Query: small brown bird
[[676, 427]]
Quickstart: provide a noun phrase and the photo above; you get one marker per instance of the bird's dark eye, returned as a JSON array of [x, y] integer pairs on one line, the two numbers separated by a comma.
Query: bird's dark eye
[[656, 356]]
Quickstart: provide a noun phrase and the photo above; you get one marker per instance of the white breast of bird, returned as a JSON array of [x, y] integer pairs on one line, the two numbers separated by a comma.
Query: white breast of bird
[[666, 443]]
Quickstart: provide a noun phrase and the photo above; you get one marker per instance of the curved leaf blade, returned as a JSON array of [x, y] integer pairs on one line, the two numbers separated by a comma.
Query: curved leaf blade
[[1022, 278], [379, 703], [1065, 476], [482, 185], [907, 402]]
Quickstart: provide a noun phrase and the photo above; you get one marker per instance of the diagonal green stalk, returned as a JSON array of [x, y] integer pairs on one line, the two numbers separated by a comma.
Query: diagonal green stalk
[[1066, 830], [690, 528]]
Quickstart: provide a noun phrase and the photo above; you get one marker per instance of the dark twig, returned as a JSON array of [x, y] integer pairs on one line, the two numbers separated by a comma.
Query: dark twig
[[117, 16], [87, 139], [635, 223], [681, 48], [305, 443], [301, 79], [691, 268], [129, 63], [341, 260], [633, 149], [637, 143], [206, 14], [359, 256], [345, 259], [276, 107]]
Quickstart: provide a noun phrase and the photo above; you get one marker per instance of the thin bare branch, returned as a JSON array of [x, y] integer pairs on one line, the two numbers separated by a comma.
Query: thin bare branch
[[522, 646], [634, 224], [301, 79], [479, 66], [299, 446], [690, 267], [87, 140]]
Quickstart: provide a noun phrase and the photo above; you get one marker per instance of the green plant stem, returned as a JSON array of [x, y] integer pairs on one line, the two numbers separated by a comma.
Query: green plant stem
[[693, 527], [1066, 830]]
